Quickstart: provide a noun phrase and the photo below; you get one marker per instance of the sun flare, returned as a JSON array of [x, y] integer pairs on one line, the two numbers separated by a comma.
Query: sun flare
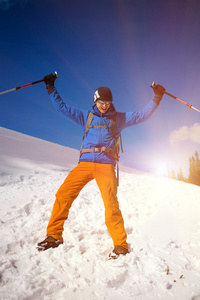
[[161, 168]]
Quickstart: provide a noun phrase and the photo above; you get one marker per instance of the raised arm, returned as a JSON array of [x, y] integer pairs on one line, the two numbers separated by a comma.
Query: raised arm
[[77, 115], [133, 118]]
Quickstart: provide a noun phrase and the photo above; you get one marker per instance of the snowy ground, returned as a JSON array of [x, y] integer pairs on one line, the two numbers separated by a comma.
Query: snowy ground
[[162, 219]]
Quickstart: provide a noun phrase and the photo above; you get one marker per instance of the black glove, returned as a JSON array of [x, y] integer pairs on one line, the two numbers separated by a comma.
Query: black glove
[[49, 81], [159, 91]]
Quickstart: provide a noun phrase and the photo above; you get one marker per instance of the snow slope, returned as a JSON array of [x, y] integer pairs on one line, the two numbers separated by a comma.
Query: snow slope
[[162, 219]]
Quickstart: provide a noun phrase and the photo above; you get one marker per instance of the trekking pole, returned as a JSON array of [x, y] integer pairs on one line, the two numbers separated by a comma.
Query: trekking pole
[[22, 86], [189, 105]]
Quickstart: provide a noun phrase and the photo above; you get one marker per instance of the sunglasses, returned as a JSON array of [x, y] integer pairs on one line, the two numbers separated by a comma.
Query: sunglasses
[[104, 102]]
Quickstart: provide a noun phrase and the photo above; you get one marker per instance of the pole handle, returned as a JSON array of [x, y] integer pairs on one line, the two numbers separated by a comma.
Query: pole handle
[[35, 82], [172, 96]]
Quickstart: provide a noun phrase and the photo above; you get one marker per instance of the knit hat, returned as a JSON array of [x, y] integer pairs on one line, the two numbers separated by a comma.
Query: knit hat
[[103, 93]]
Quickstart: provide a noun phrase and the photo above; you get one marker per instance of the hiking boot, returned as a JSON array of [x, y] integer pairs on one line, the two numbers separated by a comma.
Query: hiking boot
[[118, 250], [49, 242]]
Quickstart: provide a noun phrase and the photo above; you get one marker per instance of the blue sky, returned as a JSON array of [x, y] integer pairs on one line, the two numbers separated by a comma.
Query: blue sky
[[124, 45]]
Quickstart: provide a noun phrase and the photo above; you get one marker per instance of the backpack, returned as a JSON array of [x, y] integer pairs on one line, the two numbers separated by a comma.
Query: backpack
[[114, 131]]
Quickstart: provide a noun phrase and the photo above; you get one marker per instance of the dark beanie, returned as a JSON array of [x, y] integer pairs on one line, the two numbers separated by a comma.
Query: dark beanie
[[103, 93]]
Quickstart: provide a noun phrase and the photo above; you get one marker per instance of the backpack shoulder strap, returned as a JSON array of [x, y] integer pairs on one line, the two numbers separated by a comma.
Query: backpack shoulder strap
[[113, 126], [89, 121], [114, 131], [87, 126]]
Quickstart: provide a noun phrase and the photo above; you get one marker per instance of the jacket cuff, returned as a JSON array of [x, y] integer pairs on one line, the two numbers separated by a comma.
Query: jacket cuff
[[50, 89], [157, 99]]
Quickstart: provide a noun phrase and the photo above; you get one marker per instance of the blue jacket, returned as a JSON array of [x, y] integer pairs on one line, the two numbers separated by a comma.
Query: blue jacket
[[101, 137]]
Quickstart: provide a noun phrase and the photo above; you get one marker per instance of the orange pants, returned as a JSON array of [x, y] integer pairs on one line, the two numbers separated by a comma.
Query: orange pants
[[104, 174]]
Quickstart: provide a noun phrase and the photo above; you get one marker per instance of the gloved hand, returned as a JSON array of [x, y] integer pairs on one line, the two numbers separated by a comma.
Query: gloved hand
[[159, 91], [49, 81]]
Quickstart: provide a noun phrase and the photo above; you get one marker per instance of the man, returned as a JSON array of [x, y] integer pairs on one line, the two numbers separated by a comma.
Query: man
[[97, 161]]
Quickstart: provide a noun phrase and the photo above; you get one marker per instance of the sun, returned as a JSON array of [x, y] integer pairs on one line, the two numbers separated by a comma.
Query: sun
[[161, 168]]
